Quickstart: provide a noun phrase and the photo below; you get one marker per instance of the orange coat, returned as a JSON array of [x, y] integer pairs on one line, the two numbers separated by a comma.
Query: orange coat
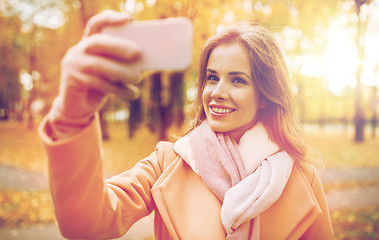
[[87, 207]]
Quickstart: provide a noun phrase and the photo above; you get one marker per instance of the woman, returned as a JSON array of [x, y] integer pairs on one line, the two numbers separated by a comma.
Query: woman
[[239, 173]]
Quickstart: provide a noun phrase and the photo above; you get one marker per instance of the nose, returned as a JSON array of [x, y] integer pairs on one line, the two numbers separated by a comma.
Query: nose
[[220, 91]]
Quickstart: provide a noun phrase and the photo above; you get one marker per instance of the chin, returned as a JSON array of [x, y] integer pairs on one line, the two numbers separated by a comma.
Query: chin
[[217, 127]]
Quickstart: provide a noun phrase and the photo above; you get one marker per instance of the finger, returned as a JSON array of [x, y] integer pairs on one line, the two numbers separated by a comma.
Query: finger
[[126, 91], [82, 66], [112, 47], [111, 70], [107, 17]]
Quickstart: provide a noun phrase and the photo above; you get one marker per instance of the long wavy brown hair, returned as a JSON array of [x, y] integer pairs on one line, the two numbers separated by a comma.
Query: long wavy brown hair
[[271, 79]]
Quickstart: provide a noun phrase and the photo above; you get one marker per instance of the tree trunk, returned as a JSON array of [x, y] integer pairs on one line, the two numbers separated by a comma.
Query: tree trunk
[[32, 93], [177, 93], [135, 116], [359, 116], [157, 118], [374, 120]]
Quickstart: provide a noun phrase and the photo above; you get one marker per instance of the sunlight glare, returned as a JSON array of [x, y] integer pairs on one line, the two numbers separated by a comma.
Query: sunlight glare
[[340, 59], [370, 75], [50, 18], [26, 80]]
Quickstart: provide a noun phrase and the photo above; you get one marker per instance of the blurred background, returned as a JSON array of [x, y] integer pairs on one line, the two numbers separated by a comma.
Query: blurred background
[[332, 51]]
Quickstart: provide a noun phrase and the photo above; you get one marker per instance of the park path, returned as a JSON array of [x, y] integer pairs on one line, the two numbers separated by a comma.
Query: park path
[[356, 197]]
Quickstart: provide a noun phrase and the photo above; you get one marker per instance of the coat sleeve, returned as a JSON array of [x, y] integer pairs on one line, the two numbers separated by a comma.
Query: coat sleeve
[[85, 205], [322, 227]]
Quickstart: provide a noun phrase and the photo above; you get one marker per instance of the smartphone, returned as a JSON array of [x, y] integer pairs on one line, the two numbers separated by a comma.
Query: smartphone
[[166, 44]]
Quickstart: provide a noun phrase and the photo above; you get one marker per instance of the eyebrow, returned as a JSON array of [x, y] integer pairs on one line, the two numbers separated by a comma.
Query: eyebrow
[[230, 73]]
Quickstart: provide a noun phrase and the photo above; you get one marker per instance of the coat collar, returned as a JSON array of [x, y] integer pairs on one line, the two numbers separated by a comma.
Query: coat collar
[[191, 211]]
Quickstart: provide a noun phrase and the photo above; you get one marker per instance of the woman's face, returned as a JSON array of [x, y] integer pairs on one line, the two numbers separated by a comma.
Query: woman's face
[[230, 99]]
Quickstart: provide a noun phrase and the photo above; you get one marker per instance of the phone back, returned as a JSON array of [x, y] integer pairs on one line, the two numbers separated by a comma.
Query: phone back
[[166, 43]]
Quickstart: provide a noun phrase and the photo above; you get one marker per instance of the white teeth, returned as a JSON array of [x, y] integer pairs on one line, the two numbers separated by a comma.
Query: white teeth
[[221, 110]]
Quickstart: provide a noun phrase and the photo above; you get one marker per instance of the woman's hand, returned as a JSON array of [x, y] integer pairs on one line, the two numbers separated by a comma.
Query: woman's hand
[[99, 64]]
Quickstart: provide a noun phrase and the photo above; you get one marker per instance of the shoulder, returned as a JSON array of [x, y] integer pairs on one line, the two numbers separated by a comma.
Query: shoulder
[[165, 153], [321, 228], [309, 172]]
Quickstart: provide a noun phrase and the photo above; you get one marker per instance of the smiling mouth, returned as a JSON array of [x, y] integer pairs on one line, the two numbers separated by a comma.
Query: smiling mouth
[[221, 110]]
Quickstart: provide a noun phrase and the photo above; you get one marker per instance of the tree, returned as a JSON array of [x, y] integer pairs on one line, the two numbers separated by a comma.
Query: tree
[[27, 29], [10, 64], [374, 104], [359, 119], [307, 20]]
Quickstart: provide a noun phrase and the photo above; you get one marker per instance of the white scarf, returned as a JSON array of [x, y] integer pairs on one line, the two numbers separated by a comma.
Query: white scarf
[[247, 178]]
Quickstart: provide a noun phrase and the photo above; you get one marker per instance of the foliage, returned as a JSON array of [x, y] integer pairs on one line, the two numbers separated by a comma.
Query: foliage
[[26, 43], [23, 208], [11, 54], [356, 224]]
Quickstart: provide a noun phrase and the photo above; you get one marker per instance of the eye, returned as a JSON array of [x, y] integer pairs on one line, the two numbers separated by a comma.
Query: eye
[[212, 78], [239, 81]]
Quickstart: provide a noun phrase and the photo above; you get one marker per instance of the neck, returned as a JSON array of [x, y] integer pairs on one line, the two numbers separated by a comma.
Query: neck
[[237, 133]]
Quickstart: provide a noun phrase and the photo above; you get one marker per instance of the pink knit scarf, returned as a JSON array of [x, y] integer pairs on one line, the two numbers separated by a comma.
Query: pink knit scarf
[[216, 158]]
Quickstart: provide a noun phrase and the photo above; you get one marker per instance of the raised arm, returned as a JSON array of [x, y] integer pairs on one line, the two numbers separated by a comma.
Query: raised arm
[[98, 65], [85, 205]]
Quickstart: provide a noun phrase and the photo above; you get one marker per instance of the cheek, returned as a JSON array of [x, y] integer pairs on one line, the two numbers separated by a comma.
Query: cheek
[[250, 103], [206, 96]]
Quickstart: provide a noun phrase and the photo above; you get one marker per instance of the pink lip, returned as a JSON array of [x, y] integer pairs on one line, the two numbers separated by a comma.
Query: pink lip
[[220, 111]]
